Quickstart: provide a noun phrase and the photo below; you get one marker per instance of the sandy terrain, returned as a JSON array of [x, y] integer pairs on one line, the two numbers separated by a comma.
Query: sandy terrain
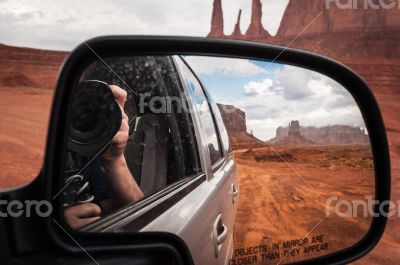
[[24, 115], [276, 206]]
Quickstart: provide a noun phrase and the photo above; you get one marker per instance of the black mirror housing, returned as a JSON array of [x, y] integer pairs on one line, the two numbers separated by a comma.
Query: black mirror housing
[[107, 46]]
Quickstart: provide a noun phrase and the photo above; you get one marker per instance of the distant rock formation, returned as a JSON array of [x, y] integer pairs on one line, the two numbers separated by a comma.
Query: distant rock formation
[[237, 33], [234, 118], [300, 15], [291, 136], [295, 134], [29, 67], [217, 20], [235, 123], [256, 29], [16, 79], [294, 129]]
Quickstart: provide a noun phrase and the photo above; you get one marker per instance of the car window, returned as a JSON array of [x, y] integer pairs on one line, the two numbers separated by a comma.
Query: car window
[[161, 149], [221, 126], [202, 108]]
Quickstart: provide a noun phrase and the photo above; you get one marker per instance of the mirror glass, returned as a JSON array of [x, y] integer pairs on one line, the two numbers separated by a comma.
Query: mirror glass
[[249, 162]]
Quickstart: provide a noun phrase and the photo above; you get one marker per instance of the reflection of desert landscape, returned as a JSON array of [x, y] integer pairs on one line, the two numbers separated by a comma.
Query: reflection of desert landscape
[[277, 207], [284, 185]]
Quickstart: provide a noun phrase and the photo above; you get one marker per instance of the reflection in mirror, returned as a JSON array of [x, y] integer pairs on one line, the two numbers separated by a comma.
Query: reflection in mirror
[[272, 160]]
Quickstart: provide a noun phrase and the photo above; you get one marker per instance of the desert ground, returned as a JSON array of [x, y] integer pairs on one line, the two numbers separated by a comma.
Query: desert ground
[[24, 115], [282, 198]]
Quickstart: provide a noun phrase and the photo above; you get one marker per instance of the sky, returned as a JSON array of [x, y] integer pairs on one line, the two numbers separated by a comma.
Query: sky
[[62, 25], [273, 94]]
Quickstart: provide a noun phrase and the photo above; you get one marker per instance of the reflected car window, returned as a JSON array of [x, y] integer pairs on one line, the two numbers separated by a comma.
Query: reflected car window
[[161, 148], [203, 109]]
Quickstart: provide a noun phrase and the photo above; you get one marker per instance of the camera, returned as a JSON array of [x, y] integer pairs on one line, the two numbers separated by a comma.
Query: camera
[[96, 118]]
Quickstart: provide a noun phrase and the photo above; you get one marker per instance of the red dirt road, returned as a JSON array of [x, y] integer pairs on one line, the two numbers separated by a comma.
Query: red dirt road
[[276, 206]]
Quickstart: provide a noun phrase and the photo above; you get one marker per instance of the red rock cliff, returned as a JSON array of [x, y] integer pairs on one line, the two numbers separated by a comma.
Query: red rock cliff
[[256, 29], [217, 20]]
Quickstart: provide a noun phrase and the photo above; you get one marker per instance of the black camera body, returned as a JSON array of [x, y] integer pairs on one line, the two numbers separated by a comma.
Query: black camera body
[[96, 118]]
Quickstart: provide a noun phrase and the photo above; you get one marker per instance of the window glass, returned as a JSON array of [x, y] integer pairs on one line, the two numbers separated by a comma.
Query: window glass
[[153, 90], [161, 148], [202, 107], [221, 126]]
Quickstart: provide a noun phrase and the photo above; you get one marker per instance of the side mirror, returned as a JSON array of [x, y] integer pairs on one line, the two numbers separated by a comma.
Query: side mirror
[[249, 153]]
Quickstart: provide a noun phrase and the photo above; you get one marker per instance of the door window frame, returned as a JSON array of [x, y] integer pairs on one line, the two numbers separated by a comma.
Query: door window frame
[[211, 168], [137, 215]]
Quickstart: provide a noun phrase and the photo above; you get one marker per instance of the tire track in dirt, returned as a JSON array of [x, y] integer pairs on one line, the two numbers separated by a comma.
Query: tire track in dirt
[[275, 205]]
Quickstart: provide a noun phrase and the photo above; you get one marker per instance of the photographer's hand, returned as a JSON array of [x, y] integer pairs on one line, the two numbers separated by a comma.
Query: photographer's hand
[[123, 187], [82, 214], [118, 144]]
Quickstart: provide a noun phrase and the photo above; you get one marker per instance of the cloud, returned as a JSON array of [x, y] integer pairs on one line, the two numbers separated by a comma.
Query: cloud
[[226, 66], [88, 19], [258, 88], [341, 101], [273, 11], [55, 23], [337, 89], [262, 112], [294, 83], [289, 81]]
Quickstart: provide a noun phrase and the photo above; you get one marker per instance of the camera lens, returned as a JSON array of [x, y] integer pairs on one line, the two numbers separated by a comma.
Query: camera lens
[[85, 118], [96, 118]]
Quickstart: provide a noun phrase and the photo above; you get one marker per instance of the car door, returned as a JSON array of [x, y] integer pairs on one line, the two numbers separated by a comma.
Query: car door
[[204, 218]]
